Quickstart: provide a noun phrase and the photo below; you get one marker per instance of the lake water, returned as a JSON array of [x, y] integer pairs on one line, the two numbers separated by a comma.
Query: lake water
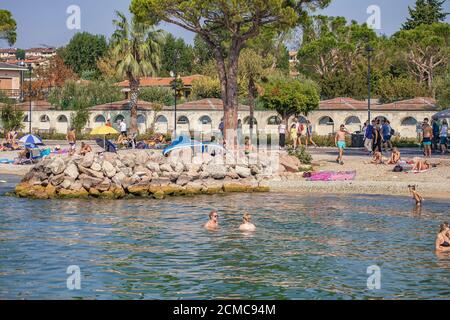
[[305, 247]]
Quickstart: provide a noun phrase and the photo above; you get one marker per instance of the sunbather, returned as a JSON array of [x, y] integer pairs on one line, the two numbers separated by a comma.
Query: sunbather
[[377, 158], [421, 165]]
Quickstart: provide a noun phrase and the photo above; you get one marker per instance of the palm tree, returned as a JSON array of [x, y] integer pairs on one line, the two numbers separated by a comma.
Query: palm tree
[[137, 48]]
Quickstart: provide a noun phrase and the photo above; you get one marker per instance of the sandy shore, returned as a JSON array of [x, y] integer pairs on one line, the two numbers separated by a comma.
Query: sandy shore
[[370, 179]]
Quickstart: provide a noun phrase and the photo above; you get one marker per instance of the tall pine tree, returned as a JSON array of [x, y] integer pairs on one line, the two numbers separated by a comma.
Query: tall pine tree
[[425, 12]]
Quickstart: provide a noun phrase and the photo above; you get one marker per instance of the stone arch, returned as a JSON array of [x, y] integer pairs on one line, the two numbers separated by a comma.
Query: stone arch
[[100, 119], [326, 126], [183, 125], [274, 121], [161, 124], [409, 121], [352, 120], [119, 117]]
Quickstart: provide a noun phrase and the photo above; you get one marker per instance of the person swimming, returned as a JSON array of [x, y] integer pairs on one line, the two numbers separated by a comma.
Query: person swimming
[[442, 240], [246, 223], [416, 196], [213, 223]]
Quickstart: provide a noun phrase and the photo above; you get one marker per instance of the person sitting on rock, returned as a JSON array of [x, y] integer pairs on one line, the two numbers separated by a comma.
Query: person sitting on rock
[[213, 223], [85, 148], [395, 157], [246, 223]]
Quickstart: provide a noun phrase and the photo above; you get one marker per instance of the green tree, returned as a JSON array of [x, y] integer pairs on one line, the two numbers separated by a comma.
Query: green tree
[[176, 56], [226, 26], [161, 95], [425, 49], [83, 52], [203, 55], [442, 85], [8, 27], [20, 54], [425, 12], [11, 118], [390, 89], [206, 87], [289, 96], [137, 47]]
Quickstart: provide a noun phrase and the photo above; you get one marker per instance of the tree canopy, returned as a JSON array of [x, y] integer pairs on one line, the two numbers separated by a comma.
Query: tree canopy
[[8, 27], [83, 52], [425, 12]]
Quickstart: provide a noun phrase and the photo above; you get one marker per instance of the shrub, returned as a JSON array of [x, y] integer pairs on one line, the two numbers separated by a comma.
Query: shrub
[[301, 154]]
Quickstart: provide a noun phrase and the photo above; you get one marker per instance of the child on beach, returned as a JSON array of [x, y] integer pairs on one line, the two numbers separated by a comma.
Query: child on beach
[[340, 143], [395, 157], [416, 196]]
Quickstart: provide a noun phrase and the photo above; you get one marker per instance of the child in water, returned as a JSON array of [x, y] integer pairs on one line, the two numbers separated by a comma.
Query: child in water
[[416, 196]]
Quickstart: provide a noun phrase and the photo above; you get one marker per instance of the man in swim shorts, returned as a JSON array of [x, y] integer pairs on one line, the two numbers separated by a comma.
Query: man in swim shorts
[[213, 223], [340, 143], [72, 139], [427, 137]]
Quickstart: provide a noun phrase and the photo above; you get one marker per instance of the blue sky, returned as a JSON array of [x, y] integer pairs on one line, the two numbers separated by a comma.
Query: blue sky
[[43, 22]]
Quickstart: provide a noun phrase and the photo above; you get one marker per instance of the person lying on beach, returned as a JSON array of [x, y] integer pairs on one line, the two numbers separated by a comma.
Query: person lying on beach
[[246, 223], [416, 196], [213, 223], [442, 240], [85, 148], [395, 157], [421, 165]]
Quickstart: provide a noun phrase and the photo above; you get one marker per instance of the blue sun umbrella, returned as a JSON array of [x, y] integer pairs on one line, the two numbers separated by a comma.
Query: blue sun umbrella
[[31, 139]]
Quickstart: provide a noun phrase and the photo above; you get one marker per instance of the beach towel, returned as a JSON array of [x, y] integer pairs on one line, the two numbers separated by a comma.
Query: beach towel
[[6, 161], [332, 176]]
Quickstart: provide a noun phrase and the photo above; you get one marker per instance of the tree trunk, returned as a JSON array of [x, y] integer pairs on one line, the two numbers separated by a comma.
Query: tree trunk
[[251, 103], [134, 94]]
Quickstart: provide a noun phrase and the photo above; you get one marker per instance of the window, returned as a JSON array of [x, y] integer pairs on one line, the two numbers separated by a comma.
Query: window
[[141, 119], [205, 120], [247, 120], [274, 120], [183, 120], [326, 121], [44, 118], [119, 118], [100, 119], [352, 120], [161, 119], [63, 118], [409, 121]]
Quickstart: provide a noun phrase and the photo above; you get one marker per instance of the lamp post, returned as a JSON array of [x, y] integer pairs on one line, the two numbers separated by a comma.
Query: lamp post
[[369, 51], [30, 69], [173, 74]]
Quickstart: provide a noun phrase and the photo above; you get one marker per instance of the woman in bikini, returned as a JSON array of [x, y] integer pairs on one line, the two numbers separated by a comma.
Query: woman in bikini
[[395, 157], [442, 241], [420, 165]]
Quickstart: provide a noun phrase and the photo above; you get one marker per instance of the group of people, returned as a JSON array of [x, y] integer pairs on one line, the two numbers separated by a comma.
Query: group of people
[[11, 143], [434, 136], [298, 131], [377, 136], [213, 222]]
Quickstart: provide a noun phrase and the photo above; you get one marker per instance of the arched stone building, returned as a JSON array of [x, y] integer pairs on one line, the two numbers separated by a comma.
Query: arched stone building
[[204, 116]]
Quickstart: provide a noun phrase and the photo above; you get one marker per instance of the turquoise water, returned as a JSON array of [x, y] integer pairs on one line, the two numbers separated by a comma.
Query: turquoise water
[[305, 247]]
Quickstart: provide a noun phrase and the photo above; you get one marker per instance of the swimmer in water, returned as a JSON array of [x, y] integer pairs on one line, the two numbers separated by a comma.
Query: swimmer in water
[[442, 241], [246, 223], [213, 223], [416, 196]]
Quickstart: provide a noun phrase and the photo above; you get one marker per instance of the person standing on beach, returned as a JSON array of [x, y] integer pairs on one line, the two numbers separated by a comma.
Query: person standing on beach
[[377, 140], [282, 135], [213, 223], [340, 143], [368, 142], [300, 128], [443, 136], [427, 138], [309, 133], [293, 134], [123, 128], [72, 140]]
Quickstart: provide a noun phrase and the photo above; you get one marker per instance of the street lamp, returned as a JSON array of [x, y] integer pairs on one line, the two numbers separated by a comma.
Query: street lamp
[[173, 74], [30, 69], [369, 51]]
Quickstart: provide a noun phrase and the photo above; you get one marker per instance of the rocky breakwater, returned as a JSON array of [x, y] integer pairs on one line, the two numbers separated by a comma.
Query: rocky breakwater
[[142, 173]]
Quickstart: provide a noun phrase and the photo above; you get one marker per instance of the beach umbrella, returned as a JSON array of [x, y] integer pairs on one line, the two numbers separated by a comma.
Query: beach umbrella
[[103, 131], [445, 114], [31, 139]]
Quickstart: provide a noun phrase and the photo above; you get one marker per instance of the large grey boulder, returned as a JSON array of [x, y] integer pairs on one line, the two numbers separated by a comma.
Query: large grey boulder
[[104, 185], [88, 182], [57, 180], [71, 171], [152, 166], [90, 172], [108, 169], [216, 171], [119, 178], [96, 166], [243, 172], [88, 160], [141, 157], [166, 167], [67, 183], [142, 171], [57, 166]]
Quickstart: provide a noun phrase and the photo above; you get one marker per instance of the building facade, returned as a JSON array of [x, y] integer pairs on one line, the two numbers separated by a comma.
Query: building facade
[[204, 116], [11, 80]]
